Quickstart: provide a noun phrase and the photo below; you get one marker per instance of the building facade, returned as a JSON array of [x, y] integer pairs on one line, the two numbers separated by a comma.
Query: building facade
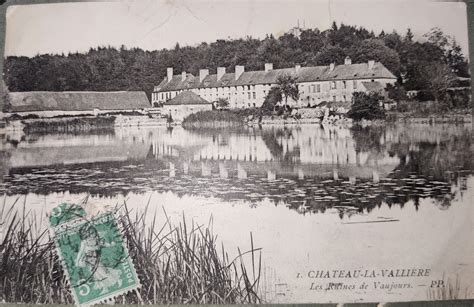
[[243, 89]]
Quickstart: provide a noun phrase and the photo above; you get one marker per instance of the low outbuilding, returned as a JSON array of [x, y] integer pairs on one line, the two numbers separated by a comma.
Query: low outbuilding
[[185, 104], [49, 104]]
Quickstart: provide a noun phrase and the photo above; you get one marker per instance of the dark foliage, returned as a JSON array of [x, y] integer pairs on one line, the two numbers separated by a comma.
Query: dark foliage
[[366, 106], [108, 68], [273, 97], [288, 87], [396, 92]]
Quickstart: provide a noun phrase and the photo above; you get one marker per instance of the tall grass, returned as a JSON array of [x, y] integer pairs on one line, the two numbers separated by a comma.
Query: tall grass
[[213, 119], [177, 264]]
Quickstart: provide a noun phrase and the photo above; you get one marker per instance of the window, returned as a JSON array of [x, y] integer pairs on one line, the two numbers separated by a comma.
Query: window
[[254, 95], [250, 95], [318, 88], [343, 84], [333, 85], [313, 88], [354, 84]]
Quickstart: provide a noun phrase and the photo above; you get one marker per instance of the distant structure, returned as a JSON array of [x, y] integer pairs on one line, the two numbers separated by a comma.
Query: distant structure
[[297, 30], [248, 89], [49, 104]]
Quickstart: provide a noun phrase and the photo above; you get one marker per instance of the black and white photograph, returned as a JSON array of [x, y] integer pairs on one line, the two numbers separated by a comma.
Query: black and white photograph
[[236, 152]]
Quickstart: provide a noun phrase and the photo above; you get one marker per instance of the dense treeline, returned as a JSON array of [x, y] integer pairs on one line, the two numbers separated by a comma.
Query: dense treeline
[[107, 68]]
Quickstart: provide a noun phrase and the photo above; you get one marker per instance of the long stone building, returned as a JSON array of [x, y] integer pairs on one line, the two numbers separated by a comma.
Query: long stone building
[[245, 89]]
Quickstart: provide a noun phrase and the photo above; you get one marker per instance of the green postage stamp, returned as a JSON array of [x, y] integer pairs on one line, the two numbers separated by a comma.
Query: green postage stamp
[[93, 254]]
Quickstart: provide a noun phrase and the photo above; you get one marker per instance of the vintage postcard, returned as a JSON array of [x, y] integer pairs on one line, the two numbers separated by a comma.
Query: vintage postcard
[[231, 152]]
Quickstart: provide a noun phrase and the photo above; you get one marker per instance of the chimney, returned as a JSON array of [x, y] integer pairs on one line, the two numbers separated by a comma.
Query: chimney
[[239, 70], [169, 73], [371, 64], [297, 67], [183, 76], [347, 61], [268, 67], [220, 72], [203, 74], [331, 66]]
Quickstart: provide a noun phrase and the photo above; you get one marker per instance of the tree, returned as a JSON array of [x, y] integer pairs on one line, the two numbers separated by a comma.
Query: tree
[[396, 92], [288, 87], [222, 103], [456, 60], [273, 97], [328, 55], [375, 49], [366, 106], [408, 36], [438, 78]]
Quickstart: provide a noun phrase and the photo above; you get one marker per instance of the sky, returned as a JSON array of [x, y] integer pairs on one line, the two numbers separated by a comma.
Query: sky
[[157, 24]]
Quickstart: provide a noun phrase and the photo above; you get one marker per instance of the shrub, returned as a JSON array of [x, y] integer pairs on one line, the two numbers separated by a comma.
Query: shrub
[[222, 103], [366, 106], [213, 119], [396, 92]]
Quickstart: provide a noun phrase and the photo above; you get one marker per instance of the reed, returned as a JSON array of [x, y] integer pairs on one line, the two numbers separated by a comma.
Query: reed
[[179, 264]]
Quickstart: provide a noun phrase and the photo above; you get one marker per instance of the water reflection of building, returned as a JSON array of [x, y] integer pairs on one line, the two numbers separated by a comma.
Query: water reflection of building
[[327, 146], [283, 165]]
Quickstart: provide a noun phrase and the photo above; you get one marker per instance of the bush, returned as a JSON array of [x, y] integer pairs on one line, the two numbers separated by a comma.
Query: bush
[[366, 106], [213, 119], [396, 92], [403, 106]]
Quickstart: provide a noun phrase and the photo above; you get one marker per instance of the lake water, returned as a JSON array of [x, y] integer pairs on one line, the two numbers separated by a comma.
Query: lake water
[[314, 198]]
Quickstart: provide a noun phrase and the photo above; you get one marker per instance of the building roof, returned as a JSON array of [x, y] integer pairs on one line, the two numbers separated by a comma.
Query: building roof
[[303, 74], [77, 101], [375, 87], [187, 98]]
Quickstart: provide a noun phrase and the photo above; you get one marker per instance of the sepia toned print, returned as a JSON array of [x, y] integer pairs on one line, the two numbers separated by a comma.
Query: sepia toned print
[[202, 152]]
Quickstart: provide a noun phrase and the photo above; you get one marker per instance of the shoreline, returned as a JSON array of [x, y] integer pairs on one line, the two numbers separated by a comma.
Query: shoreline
[[92, 123]]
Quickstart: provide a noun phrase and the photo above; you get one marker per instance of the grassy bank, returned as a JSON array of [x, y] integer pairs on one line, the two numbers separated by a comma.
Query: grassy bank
[[69, 124], [178, 264], [429, 111], [214, 119]]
